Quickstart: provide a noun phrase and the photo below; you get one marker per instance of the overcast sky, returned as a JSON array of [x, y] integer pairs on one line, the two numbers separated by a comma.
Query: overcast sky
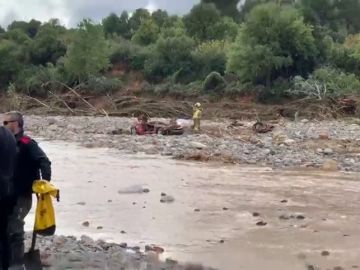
[[70, 12]]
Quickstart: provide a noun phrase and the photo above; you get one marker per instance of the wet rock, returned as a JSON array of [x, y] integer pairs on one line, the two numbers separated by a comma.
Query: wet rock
[[86, 223], [123, 245], [261, 223], [163, 194], [325, 253], [167, 199], [123, 232], [146, 190], [154, 248], [284, 201], [300, 217], [255, 214], [81, 203], [99, 227], [330, 165], [196, 210], [225, 208], [222, 241]]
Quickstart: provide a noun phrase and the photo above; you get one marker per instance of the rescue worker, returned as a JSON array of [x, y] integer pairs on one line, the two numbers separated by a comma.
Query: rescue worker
[[7, 165], [197, 114], [31, 164]]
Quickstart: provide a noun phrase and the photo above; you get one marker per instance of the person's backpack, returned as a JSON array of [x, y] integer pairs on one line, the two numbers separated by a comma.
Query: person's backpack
[[7, 162]]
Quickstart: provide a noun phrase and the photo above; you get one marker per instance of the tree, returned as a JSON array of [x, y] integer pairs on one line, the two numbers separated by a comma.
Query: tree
[[160, 17], [9, 59], [274, 42], [29, 28], [201, 20], [111, 25], [170, 55], [147, 33], [339, 17], [226, 7], [210, 56], [88, 54], [137, 18], [48, 45], [2, 30]]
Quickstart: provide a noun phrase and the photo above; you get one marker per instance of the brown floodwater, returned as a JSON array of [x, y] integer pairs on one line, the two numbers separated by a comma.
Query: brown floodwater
[[102, 186]]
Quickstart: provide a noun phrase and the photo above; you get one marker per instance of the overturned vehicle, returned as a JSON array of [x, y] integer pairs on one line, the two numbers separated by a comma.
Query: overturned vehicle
[[143, 127]]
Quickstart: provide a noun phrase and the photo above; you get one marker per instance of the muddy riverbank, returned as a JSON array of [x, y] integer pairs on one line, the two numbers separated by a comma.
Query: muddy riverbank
[[303, 144]]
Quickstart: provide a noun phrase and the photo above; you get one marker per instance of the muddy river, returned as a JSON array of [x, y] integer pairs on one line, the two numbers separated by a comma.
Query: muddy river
[[227, 217]]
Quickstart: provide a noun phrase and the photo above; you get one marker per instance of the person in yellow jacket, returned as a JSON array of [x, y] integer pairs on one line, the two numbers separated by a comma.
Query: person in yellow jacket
[[197, 114]]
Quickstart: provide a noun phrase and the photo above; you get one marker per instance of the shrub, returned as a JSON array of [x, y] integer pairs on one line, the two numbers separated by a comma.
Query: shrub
[[102, 85], [214, 82]]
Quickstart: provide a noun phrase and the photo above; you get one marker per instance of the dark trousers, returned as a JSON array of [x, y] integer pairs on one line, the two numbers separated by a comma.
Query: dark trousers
[[6, 207], [16, 232]]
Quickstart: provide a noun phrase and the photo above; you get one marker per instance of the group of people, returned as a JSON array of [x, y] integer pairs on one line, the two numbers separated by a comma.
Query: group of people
[[22, 162]]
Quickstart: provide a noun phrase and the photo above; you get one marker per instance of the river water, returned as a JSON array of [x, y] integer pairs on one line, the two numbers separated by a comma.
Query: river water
[[211, 220]]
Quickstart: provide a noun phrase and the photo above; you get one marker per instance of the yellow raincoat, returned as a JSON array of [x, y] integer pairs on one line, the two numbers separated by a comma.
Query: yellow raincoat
[[197, 114], [45, 215]]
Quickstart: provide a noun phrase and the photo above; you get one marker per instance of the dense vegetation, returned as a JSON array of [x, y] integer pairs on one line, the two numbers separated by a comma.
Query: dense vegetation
[[273, 47]]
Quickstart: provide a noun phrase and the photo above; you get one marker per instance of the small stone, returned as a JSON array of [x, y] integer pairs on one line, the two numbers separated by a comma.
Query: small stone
[[328, 151], [123, 232], [146, 190], [81, 203], [324, 136], [355, 266], [196, 210], [338, 268], [284, 217], [109, 201], [163, 194], [319, 151], [325, 253], [304, 121], [86, 224], [330, 165], [171, 261], [284, 201], [261, 223], [167, 199], [154, 248], [225, 208], [289, 142], [300, 217], [99, 227], [310, 267], [255, 214], [222, 241], [123, 245], [134, 203], [198, 145]]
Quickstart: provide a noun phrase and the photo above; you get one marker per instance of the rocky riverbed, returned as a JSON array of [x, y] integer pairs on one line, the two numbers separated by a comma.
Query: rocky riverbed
[[331, 145], [60, 252]]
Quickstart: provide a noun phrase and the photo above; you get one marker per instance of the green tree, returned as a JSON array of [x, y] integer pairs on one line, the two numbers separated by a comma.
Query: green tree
[[210, 56], [140, 15], [111, 25], [226, 7], [10, 61], [273, 42], [160, 17], [29, 28], [170, 55], [2, 30], [89, 53], [48, 45], [201, 20], [147, 33]]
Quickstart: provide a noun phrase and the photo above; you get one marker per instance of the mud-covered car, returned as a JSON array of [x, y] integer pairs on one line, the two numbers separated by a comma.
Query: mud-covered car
[[156, 127]]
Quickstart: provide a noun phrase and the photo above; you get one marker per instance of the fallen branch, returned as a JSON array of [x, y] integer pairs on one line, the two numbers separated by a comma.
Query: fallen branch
[[63, 101], [40, 102]]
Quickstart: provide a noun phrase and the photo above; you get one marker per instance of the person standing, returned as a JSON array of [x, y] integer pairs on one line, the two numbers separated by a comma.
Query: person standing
[[32, 164], [7, 165], [197, 114]]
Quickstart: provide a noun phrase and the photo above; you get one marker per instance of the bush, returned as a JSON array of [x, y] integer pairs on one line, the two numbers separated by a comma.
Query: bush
[[214, 82], [326, 82], [210, 56], [102, 85], [38, 80]]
